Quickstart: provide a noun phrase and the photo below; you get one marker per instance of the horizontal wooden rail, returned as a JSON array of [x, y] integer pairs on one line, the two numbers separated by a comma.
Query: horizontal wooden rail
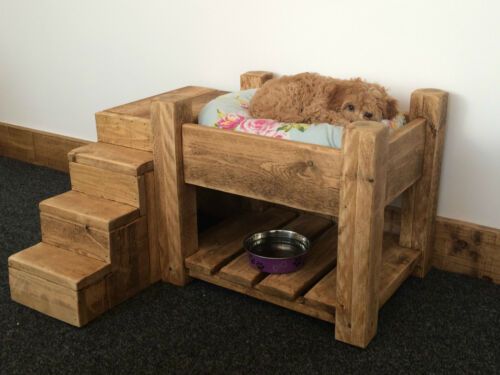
[[294, 174]]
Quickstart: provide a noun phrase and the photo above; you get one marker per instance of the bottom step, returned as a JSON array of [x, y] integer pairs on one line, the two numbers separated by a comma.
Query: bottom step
[[59, 283]]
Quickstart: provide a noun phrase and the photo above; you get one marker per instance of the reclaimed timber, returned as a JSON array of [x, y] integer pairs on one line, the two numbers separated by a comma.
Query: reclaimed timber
[[320, 259], [113, 158], [241, 272], [59, 266], [89, 211], [223, 244], [175, 200], [254, 79], [361, 224], [397, 265], [114, 186], [420, 201], [227, 161], [154, 250], [297, 306], [406, 154], [37, 147]]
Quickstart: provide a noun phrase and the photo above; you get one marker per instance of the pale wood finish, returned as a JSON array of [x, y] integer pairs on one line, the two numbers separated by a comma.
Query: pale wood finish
[[361, 223], [254, 79], [154, 249], [113, 158], [175, 200], [238, 270], [89, 211], [228, 161], [37, 147], [406, 154], [420, 201], [224, 243], [59, 266], [76, 307], [114, 186]]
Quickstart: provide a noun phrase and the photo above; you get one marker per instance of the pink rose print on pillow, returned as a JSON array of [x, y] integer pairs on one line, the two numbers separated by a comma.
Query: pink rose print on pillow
[[268, 128], [229, 121]]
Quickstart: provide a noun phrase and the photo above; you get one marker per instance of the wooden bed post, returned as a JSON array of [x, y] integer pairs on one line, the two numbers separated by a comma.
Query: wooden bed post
[[175, 200], [254, 80], [361, 224], [418, 212]]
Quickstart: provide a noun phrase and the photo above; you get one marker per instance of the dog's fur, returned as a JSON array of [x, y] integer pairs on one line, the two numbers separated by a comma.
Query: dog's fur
[[312, 98]]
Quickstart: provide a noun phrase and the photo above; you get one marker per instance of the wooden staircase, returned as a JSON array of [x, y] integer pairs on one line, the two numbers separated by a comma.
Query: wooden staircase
[[99, 242]]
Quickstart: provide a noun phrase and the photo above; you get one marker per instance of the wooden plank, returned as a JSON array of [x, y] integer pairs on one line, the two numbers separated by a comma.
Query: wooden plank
[[240, 271], [4, 139], [420, 201], [124, 130], [297, 306], [73, 307], [254, 79], [361, 224], [175, 200], [406, 154], [397, 264], [113, 158], [59, 266], [89, 211], [227, 161], [154, 250], [20, 144], [114, 186], [223, 246], [321, 258], [464, 266]]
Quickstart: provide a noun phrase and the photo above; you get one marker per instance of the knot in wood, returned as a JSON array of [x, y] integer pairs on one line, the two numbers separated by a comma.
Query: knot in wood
[[310, 163]]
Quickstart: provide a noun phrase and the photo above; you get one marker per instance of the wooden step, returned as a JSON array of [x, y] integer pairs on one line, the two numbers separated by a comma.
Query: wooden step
[[113, 158], [90, 226], [129, 124], [59, 283]]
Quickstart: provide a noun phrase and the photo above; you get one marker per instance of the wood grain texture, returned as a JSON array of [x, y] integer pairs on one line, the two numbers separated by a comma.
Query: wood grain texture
[[175, 200], [420, 201], [37, 147], [254, 79], [361, 223], [154, 250], [59, 266], [114, 186], [227, 161], [90, 211], [220, 246], [240, 271], [405, 159], [113, 158]]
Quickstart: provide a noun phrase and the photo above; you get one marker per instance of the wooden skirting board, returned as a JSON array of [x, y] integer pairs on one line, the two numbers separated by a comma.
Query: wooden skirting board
[[460, 247], [37, 147]]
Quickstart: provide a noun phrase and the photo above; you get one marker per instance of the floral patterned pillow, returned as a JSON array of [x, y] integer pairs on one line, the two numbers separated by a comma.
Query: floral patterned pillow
[[230, 112]]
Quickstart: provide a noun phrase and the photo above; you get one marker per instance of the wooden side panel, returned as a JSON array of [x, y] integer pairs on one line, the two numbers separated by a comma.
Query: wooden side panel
[[254, 79], [290, 173], [361, 223], [406, 154], [123, 130], [154, 250], [420, 201], [175, 200]]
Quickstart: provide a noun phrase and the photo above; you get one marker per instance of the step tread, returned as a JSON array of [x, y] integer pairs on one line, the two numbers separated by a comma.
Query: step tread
[[88, 210], [60, 266], [113, 158]]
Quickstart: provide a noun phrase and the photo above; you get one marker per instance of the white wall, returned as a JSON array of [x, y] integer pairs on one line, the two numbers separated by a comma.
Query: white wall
[[61, 61]]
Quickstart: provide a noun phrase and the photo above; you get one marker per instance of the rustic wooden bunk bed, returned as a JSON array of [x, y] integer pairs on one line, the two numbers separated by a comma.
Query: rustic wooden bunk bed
[[353, 268]]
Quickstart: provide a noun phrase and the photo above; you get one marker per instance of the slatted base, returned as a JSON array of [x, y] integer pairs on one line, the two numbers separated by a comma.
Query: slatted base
[[310, 290]]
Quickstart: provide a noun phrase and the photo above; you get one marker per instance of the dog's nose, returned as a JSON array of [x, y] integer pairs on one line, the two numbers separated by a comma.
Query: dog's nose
[[368, 115]]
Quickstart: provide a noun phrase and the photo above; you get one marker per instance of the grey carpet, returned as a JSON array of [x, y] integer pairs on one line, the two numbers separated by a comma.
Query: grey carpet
[[445, 323]]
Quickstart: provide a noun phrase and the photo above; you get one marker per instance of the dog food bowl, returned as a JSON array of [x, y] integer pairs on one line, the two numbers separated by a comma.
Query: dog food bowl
[[277, 251]]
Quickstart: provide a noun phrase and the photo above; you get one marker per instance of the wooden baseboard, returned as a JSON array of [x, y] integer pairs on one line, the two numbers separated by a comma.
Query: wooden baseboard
[[37, 147]]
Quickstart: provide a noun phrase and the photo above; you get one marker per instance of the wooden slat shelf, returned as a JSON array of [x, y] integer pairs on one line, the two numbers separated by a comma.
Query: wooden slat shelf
[[312, 289]]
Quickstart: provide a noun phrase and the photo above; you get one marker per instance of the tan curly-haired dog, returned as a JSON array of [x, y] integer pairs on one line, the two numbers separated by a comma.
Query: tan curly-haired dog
[[312, 98]]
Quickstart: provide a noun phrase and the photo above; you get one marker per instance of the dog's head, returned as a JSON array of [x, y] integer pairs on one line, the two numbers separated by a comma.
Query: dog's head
[[358, 100]]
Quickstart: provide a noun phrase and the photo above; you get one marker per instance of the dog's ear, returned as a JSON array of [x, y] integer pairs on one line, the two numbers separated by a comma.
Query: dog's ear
[[391, 108], [336, 96]]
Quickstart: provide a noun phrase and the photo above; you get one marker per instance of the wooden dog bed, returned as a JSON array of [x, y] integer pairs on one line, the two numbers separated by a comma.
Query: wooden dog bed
[[352, 269]]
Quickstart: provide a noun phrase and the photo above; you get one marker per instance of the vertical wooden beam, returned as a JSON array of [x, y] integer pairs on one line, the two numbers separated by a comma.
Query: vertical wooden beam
[[418, 213], [361, 224], [254, 80], [175, 200]]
